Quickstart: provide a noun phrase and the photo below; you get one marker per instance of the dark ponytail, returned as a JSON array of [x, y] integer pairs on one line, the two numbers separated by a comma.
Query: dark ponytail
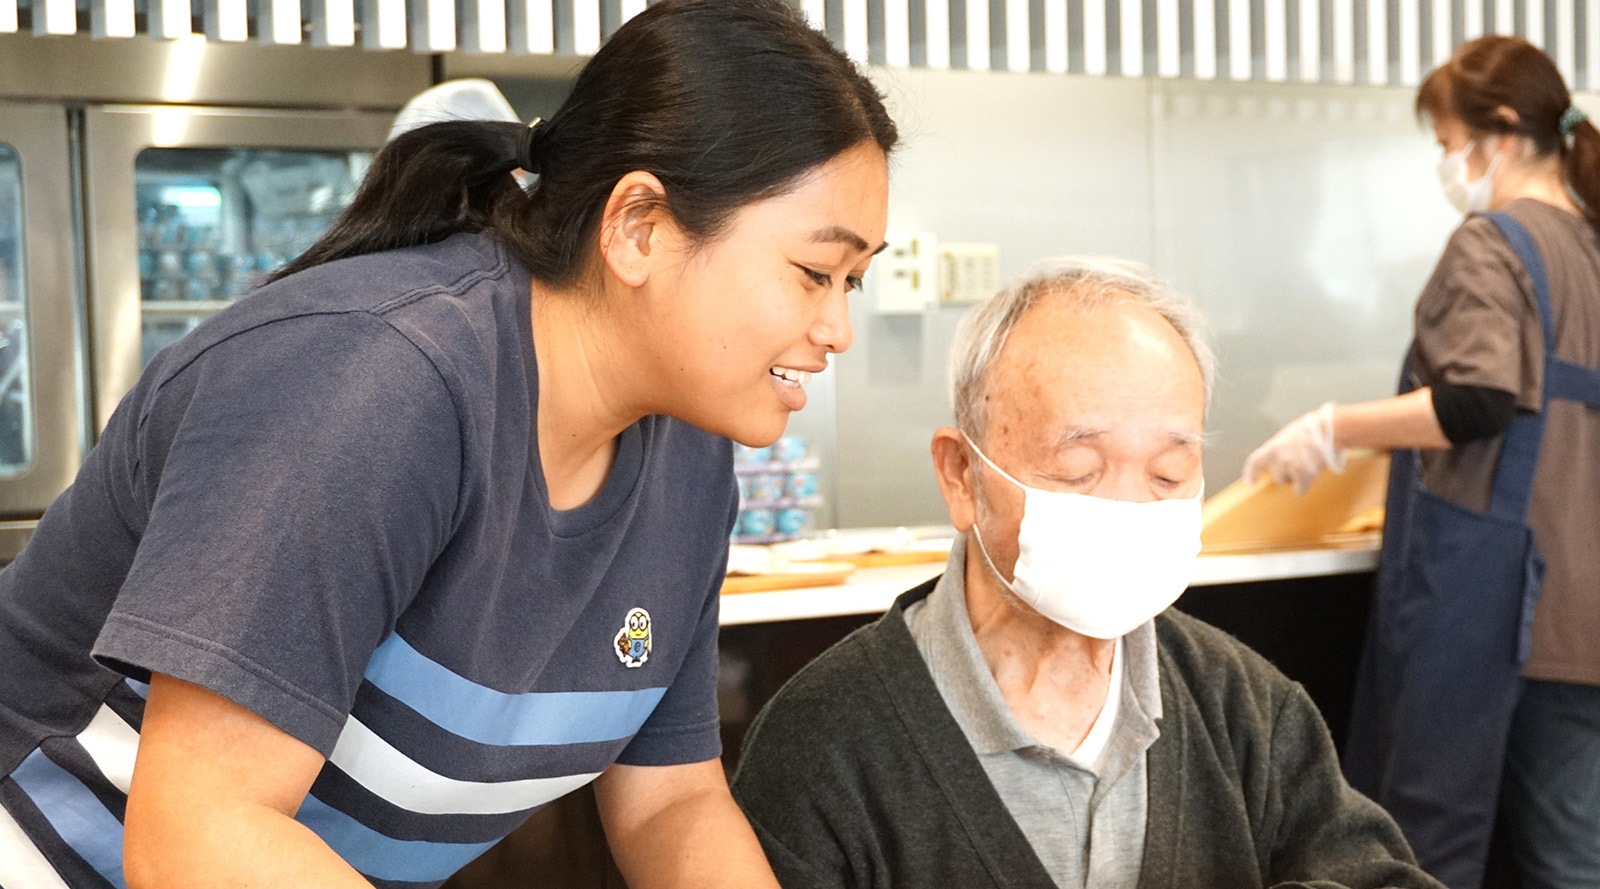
[[1496, 70], [1581, 164], [727, 102], [426, 184]]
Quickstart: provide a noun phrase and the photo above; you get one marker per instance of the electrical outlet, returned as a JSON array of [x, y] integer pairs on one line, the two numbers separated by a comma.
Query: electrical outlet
[[969, 273], [904, 279]]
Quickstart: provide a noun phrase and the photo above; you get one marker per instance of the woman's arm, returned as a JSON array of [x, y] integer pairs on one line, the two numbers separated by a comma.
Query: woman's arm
[[678, 826], [212, 803], [1300, 451], [1404, 421]]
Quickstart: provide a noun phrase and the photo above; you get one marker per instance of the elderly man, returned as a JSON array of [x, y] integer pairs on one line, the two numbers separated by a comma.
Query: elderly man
[[1036, 717]]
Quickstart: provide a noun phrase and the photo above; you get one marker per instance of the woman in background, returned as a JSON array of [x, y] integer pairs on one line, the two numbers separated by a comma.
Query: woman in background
[[430, 529], [1479, 682]]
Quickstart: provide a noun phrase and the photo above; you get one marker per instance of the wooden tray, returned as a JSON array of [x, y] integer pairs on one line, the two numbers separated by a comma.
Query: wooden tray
[[810, 575], [883, 559], [1269, 516]]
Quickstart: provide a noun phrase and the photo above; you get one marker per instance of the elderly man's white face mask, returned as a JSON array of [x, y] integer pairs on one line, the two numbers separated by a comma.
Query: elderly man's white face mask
[[1096, 566]]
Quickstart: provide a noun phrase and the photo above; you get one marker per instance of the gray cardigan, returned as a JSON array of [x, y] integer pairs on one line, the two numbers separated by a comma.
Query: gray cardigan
[[856, 775]]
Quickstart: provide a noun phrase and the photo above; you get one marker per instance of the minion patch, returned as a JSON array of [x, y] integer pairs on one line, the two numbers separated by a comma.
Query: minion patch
[[633, 640]]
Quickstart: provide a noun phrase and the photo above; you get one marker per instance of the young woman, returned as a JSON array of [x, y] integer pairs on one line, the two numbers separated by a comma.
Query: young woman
[[430, 529], [1474, 669]]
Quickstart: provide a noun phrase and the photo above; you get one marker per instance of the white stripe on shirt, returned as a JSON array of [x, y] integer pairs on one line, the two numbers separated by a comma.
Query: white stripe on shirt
[[113, 745], [380, 768], [21, 864]]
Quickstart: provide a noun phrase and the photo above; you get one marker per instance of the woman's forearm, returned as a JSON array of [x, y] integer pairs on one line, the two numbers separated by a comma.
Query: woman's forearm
[[215, 788], [1404, 421], [678, 826], [234, 847]]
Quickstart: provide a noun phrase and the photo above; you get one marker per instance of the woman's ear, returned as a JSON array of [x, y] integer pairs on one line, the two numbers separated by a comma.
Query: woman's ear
[[1509, 115], [631, 227]]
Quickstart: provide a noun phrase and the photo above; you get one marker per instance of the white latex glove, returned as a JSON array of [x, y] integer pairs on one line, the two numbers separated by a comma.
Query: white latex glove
[[1299, 452]]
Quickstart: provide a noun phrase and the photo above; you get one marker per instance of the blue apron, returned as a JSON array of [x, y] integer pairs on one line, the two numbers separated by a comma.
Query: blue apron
[[1450, 627]]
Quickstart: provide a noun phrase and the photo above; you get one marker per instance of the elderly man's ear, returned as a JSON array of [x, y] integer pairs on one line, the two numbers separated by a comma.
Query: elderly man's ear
[[953, 465]]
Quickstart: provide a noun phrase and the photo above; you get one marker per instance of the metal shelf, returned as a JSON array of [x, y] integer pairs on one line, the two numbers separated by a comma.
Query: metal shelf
[[157, 309]]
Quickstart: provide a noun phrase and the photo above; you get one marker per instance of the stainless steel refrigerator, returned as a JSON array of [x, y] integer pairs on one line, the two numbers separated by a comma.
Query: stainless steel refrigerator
[[43, 427], [143, 187], [190, 208]]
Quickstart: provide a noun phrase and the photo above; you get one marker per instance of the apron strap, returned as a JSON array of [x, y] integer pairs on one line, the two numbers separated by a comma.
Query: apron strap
[[1574, 382], [1519, 456]]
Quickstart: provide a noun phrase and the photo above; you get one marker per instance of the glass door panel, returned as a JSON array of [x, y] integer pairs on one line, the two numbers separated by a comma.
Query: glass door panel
[[214, 223], [17, 440]]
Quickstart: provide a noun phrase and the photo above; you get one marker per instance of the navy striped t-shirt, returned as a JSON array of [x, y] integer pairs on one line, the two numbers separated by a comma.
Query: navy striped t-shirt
[[326, 504]]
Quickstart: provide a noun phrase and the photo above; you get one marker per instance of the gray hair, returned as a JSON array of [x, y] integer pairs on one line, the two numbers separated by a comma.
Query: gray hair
[[1091, 283]]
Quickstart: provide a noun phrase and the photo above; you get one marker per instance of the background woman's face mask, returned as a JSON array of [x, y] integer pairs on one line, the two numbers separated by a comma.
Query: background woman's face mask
[[1100, 567], [1467, 195]]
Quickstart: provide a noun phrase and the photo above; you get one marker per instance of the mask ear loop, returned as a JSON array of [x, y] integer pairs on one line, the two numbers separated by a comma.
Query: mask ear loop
[[977, 531], [977, 535], [1494, 162], [985, 458]]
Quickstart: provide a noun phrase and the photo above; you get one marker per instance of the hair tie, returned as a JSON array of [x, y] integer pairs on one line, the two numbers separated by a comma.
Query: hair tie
[[1570, 119], [525, 158]]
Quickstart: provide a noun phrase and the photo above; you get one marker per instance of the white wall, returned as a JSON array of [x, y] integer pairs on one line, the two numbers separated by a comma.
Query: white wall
[[1304, 219]]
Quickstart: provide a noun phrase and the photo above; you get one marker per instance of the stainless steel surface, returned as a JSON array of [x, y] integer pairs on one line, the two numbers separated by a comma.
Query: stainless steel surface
[[181, 308], [115, 136], [192, 71], [496, 67], [39, 137], [13, 536]]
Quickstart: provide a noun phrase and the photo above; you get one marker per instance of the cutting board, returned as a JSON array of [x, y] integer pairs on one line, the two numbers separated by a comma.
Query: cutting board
[[1339, 509], [795, 575]]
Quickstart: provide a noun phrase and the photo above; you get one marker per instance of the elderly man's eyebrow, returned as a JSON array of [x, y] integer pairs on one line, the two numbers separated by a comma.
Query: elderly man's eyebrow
[[838, 234], [1074, 434]]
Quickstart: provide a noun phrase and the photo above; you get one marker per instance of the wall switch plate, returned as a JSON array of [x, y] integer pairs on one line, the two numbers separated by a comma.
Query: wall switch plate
[[968, 273], [904, 279]]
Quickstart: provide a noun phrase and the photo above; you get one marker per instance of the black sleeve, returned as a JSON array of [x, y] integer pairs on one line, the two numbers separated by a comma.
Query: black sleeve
[[1468, 413]]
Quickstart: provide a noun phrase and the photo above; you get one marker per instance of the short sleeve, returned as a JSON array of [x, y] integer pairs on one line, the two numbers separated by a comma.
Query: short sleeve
[[1474, 319], [300, 479], [684, 727]]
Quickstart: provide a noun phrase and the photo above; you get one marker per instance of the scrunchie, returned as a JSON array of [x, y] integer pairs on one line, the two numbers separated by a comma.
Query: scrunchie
[[1570, 119]]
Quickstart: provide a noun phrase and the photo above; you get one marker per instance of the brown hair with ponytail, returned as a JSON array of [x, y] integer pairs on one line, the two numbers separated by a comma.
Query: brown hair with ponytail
[[1495, 70]]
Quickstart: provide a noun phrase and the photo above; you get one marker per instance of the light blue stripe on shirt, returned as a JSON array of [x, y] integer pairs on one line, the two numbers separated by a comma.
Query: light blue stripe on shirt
[[75, 813], [478, 713], [382, 857]]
